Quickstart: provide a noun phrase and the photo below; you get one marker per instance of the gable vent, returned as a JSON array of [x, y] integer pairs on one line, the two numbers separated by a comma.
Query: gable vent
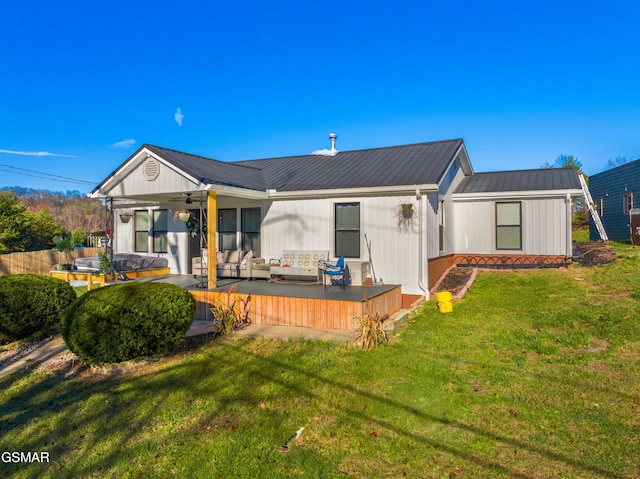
[[151, 169]]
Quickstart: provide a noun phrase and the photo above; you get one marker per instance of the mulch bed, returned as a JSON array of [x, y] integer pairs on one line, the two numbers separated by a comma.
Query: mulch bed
[[455, 280], [593, 253]]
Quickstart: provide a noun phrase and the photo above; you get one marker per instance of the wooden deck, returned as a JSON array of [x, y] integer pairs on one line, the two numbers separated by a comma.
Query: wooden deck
[[294, 304]]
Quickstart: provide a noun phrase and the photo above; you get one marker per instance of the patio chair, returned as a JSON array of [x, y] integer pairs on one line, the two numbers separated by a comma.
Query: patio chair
[[335, 273]]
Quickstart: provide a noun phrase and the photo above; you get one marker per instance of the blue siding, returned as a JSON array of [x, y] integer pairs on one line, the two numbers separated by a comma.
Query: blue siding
[[611, 186]]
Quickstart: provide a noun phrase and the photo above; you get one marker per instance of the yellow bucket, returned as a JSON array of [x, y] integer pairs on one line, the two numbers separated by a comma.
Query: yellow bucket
[[444, 299]]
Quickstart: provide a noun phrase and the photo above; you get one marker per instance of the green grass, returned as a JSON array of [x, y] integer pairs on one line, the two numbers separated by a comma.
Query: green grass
[[534, 374]]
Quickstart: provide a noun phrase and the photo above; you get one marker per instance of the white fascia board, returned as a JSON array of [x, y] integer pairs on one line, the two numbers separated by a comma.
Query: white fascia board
[[238, 192], [465, 163], [342, 192], [515, 195]]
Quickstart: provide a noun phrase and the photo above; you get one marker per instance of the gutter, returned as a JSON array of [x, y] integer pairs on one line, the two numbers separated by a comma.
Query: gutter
[[360, 191], [515, 194]]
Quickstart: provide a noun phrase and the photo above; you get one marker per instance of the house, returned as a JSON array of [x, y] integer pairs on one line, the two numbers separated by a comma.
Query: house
[[401, 214], [615, 194]]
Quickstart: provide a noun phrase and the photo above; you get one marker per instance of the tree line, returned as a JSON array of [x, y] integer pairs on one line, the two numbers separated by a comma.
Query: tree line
[[30, 219]]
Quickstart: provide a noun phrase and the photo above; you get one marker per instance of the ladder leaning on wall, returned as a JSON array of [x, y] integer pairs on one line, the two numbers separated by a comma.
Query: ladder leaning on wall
[[594, 213]]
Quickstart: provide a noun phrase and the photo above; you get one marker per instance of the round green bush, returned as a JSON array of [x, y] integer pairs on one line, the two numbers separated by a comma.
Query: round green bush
[[30, 303], [127, 321]]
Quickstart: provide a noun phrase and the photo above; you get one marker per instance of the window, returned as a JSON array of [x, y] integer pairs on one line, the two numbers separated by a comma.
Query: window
[[347, 230], [600, 207], [227, 226], [627, 203], [160, 231], [250, 226], [142, 231], [509, 225]]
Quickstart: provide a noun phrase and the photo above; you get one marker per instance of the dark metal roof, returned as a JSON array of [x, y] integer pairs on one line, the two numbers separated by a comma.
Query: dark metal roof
[[521, 180], [417, 164], [211, 171]]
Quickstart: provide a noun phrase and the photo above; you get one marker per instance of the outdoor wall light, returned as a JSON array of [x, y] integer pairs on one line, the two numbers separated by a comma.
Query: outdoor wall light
[[125, 217]]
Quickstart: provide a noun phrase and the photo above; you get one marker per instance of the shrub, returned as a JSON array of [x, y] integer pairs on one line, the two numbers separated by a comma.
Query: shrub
[[229, 316], [30, 303], [369, 332], [127, 321]]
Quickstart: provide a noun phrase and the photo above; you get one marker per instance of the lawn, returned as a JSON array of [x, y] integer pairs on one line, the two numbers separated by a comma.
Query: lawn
[[535, 374]]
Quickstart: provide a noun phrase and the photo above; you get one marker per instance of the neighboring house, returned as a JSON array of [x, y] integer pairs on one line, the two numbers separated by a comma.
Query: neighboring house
[[615, 193], [420, 207]]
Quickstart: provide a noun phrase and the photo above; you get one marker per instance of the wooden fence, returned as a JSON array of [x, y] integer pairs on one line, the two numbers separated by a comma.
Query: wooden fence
[[40, 262]]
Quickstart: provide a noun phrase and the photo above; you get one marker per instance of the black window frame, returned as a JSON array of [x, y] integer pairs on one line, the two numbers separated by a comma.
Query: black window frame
[[338, 232], [499, 226], [250, 237], [137, 230], [160, 235], [224, 233]]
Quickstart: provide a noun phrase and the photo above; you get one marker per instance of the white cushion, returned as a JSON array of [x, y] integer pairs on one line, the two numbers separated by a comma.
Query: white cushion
[[247, 257]]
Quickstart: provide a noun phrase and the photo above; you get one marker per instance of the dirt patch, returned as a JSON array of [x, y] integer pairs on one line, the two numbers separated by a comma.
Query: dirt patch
[[455, 280], [593, 253]]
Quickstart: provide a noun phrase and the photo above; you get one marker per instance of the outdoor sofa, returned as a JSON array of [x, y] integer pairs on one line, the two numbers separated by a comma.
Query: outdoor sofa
[[229, 264]]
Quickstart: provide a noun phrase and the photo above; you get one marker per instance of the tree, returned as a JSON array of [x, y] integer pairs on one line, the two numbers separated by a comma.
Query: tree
[[568, 161], [12, 219], [619, 160], [41, 229], [71, 209], [579, 207], [21, 230]]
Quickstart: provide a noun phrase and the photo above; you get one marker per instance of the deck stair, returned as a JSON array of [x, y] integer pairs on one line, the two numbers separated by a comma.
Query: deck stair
[[594, 213]]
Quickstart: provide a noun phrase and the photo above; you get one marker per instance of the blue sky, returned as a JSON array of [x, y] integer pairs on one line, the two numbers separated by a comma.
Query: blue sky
[[84, 84]]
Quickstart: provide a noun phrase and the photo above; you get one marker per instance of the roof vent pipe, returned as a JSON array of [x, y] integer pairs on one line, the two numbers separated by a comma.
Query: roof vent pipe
[[332, 151]]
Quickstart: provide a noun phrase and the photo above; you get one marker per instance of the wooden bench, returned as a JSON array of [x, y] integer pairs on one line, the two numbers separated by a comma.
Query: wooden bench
[[90, 277]]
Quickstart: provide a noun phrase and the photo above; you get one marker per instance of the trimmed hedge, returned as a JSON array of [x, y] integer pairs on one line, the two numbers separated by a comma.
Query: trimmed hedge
[[127, 321], [30, 303]]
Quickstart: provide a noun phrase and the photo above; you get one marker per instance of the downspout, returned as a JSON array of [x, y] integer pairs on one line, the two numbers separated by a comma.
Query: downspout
[[421, 284], [569, 245]]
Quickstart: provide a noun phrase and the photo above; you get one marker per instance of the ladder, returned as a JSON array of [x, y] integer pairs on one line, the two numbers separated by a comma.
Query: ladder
[[594, 213]]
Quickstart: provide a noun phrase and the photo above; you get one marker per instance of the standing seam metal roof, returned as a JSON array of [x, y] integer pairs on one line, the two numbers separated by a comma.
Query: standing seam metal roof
[[214, 172], [521, 180], [421, 163]]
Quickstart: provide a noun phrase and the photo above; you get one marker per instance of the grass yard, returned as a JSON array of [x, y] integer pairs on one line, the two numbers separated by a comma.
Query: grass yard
[[536, 374]]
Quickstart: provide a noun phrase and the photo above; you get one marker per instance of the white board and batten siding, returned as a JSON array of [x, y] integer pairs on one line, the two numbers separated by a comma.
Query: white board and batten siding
[[308, 224], [138, 181], [544, 226]]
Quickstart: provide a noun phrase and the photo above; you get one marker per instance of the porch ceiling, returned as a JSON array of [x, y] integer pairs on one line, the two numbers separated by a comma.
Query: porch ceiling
[[177, 197]]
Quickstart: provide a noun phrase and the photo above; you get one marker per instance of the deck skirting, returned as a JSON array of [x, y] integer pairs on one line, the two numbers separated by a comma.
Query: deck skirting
[[306, 312]]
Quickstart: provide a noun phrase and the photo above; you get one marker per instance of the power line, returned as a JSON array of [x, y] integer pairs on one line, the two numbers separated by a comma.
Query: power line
[[45, 176]]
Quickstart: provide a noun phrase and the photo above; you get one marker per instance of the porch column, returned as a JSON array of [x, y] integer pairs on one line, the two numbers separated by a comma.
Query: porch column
[[212, 219]]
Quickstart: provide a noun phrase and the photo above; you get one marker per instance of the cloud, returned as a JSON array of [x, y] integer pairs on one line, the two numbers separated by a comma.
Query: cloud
[[178, 117], [124, 143], [34, 153]]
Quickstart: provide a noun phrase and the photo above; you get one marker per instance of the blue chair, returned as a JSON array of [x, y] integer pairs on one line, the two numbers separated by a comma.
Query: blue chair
[[334, 272]]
